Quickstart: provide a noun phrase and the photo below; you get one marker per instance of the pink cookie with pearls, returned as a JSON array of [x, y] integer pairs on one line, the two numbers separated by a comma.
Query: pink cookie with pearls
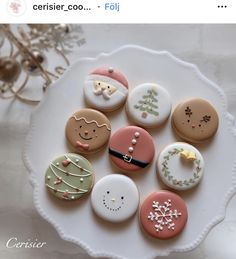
[[163, 215], [131, 148], [106, 89]]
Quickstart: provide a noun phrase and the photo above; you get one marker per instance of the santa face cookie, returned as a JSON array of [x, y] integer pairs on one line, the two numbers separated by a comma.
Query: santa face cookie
[[180, 166], [163, 214], [88, 131], [131, 148], [115, 198], [149, 105], [106, 89], [195, 120], [69, 177]]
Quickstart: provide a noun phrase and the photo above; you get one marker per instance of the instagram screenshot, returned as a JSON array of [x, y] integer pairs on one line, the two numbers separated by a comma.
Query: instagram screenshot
[[117, 129]]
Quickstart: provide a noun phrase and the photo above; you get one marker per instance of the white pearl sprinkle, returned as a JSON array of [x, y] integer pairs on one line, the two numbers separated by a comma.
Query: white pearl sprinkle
[[77, 160], [136, 134], [134, 141], [67, 191], [57, 164], [81, 180], [72, 197], [131, 149], [48, 177]]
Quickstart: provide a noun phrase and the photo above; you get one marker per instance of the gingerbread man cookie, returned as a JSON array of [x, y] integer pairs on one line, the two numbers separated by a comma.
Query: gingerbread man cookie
[[69, 177], [195, 120], [88, 131], [106, 89]]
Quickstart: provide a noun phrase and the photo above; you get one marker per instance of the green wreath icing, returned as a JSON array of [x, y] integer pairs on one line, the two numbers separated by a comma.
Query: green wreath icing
[[165, 169]]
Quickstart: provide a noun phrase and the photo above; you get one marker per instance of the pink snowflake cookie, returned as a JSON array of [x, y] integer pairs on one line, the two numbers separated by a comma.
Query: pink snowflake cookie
[[163, 214]]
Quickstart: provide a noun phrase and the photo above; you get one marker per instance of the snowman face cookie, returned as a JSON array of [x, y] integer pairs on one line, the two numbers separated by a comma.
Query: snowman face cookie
[[88, 130], [149, 105], [195, 120], [115, 198], [106, 89]]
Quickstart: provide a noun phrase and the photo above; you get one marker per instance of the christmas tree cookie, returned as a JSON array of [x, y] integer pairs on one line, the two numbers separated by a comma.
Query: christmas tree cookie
[[148, 105], [69, 177]]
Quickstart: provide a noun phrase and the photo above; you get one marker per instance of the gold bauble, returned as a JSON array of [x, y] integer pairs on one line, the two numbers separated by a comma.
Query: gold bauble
[[9, 69]]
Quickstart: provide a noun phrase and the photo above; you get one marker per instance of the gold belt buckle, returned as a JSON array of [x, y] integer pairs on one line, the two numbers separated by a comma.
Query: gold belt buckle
[[127, 158]]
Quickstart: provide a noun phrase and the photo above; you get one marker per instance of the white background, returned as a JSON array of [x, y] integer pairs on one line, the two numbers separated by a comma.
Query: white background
[[211, 47]]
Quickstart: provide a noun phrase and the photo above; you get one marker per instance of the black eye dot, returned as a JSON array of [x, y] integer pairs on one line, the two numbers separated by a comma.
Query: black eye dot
[[188, 120], [108, 192], [122, 197], [199, 125], [80, 126], [108, 86], [98, 83], [94, 130]]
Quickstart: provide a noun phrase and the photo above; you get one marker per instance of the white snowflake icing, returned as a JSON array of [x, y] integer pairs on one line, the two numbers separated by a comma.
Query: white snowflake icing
[[163, 215]]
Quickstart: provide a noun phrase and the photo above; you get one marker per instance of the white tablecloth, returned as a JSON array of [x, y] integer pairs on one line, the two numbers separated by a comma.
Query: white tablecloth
[[211, 47]]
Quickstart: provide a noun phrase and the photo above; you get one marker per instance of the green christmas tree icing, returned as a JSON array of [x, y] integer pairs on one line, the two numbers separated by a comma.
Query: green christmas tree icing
[[148, 104]]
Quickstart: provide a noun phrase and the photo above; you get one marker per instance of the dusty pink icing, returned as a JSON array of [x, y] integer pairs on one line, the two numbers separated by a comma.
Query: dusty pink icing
[[115, 74], [143, 149], [177, 203]]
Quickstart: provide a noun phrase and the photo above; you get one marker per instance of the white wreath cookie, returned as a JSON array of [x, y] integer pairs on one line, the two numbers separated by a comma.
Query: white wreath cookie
[[149, 105], [106, 89], [115, 198], [180, 166]]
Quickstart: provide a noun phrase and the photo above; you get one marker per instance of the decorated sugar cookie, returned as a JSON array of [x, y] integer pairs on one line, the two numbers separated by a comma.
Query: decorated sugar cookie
[[88, 130], [69, 177], [131, 148], [106, 89], [195, 120], [163, 214], [180, 166], [149, 105], [115, 198]]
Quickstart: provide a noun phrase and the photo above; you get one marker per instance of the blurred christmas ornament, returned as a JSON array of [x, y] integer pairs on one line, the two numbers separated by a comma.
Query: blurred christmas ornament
[[30, 65], [9, 69], [29, 49]]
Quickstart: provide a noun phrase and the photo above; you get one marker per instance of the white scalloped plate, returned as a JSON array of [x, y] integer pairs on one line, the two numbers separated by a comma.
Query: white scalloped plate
[[76, 222]]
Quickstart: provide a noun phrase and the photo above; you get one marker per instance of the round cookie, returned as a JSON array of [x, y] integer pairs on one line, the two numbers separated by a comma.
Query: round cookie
[[69, 177], [149, 105], [88, 131], [195, 120], [180, 166], [131, 148], [106, 89], [115, 198], [163, 214]]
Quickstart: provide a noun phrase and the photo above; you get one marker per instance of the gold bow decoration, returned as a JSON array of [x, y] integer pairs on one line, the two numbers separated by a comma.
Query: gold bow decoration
[[188, 155]]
